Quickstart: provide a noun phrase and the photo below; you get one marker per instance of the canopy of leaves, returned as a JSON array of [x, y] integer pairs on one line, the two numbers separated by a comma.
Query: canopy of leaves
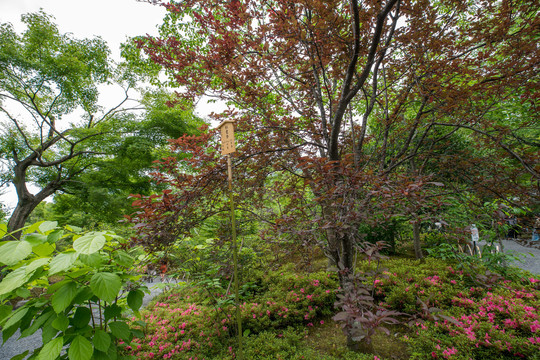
[[350, 110]]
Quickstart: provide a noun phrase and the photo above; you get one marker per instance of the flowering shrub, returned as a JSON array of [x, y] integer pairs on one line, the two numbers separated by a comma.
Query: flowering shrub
[[496, 326], [432, 281], [452, 316], [499, 320], [291, 299], [179, 326], [462, 320]]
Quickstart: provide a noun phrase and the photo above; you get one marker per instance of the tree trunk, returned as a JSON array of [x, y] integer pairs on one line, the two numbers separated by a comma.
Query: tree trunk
[[20, 215], [416, 239], [359, 346], [27, 202]]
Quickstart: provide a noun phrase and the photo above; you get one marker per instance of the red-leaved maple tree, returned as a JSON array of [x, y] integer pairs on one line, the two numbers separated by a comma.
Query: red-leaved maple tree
[[348, 112]]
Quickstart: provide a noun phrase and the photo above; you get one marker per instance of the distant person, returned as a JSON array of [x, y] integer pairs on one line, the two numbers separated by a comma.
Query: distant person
[[163, 270], [536, 230]]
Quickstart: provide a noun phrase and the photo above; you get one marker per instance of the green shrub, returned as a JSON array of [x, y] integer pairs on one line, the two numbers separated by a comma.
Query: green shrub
[[497, 326], [184, 323], [495, 318]]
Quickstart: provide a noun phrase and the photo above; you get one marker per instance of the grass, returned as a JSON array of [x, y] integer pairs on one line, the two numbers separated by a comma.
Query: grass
[[328, 339]]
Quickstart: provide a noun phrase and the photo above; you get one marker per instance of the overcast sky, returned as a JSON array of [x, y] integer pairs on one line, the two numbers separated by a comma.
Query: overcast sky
[[113, 20]]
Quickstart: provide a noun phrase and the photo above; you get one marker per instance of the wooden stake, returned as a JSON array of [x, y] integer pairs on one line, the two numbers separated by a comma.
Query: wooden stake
[[235, 257], [228, 147]]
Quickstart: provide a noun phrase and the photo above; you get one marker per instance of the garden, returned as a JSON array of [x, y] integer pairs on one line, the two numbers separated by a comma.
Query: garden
[[84, 289], [349, 196]]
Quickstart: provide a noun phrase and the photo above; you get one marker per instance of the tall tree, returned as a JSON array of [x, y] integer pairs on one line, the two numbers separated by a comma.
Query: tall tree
[[132, 144], [341, 96], [49, 109]]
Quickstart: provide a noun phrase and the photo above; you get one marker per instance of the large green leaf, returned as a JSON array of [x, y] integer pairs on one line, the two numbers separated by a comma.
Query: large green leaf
[[83, 294], [123, 258], [47, 226], [5, 310], [35, 239], [135, 299], [13, 280], [93, 260], [101, 340], [14, 251], [23, 292], [55, 236], [111, 354], [120, 329], [80, 349], [53, 287], [106, 285], [36, 325], [62, 262], [15, 318], [63, 297], [32, 228], [48, 331], [89, 243], [82, 317], [44, 249], [8, 332], [61, 322], [52, 349], [112, 311], [36, 264], [74, 228]]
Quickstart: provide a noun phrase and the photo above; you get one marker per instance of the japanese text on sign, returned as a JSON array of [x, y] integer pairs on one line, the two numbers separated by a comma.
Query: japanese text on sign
[[227, 138]]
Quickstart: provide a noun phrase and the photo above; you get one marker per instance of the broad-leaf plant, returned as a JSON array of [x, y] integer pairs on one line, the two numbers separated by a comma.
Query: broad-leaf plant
[[75, 286]]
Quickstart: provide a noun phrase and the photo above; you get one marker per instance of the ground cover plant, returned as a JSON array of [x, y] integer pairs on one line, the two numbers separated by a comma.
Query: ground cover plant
[[460, 315], [186, 324], [445, 313]]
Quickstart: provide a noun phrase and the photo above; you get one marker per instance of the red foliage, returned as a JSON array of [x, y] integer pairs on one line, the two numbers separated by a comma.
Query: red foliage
[[347, 111]]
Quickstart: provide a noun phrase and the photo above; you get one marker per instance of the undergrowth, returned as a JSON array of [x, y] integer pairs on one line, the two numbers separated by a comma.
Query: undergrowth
[[447, 314]]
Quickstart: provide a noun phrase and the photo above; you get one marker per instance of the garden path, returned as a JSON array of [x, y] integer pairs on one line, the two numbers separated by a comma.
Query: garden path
[[528, 262]]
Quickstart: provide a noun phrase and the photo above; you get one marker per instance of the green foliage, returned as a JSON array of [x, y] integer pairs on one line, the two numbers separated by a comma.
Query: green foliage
[[488, 256], [455, 314], [61, 63], [288, 344], [133, 143], [3, 213], [98, 159], [189, 318], [497, 324], [77, 295]]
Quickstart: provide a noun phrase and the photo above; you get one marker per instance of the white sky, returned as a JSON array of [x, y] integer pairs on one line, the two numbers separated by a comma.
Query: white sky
[[112, 20]]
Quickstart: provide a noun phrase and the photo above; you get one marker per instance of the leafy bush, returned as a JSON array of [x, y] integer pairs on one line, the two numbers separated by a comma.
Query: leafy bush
[[499, 325], [457, 316], [186, 323], [78, 296], [489, 257], [288, 345]]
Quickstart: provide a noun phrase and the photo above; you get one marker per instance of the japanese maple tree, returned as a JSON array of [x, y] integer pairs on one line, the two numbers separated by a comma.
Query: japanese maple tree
[[342, 108]]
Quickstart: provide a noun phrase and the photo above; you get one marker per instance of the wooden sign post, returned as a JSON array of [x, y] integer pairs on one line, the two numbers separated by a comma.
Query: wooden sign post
[[228, 147]]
